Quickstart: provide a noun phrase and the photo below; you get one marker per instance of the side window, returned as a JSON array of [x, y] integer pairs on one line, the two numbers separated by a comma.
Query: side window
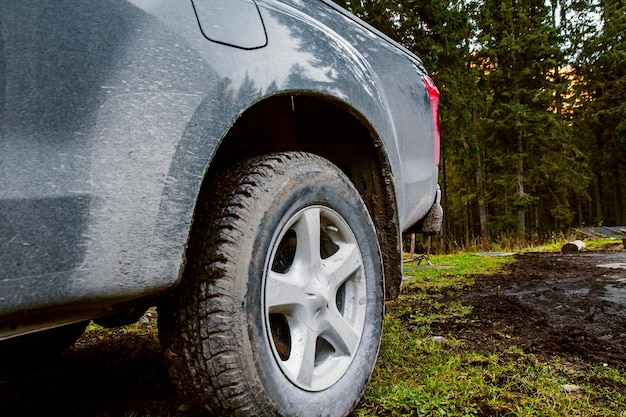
[[231, 22]]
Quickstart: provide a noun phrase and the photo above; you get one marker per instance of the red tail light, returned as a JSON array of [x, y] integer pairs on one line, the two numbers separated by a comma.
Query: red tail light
[[433, 94]]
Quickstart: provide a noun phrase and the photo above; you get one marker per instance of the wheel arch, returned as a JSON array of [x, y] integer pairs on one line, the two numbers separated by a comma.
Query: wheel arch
[[334, 130]]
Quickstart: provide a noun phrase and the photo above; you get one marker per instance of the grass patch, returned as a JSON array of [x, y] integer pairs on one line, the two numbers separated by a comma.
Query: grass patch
[[590, 244]]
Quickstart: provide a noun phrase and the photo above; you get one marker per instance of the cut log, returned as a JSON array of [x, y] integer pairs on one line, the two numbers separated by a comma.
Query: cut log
[[573, 247]]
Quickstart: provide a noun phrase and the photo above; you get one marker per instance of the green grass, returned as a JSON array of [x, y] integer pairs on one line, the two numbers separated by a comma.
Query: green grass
[[423, 373], [590, 244]]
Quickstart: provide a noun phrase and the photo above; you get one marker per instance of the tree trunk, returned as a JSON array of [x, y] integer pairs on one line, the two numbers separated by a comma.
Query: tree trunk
[[598, 197], [617, 198], [521, 214], [485, 238]]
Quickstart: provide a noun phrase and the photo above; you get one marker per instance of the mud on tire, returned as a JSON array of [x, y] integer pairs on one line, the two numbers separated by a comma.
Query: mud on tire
[[280, 309]]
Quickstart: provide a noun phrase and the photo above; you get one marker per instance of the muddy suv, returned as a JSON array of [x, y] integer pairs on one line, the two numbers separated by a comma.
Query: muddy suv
[[247, 166]]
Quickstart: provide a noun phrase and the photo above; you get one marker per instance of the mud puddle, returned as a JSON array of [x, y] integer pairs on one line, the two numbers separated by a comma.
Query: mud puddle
[[570, 305]]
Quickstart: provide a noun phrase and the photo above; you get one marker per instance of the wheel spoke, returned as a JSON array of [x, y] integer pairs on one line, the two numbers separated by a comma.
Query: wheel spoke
[[342, 265], [340, 334], [301, 363], [305, 373], [308, 235], [281, 291]]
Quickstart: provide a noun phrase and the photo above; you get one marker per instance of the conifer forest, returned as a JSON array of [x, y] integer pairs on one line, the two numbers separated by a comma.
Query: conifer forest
[[533, 110]]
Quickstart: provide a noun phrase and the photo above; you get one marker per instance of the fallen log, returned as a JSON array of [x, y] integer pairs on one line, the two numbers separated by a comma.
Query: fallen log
[[573, 247]]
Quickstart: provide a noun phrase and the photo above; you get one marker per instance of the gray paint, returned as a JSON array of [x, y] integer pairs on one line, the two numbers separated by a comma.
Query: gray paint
[[110, 114]]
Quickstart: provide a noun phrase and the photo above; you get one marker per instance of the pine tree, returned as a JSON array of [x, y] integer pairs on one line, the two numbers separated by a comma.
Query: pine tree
[[507, 120], [602, 110], [533, 167]]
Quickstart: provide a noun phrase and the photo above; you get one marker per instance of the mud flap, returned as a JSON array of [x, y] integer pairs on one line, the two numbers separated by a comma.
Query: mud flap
[[433, 220]]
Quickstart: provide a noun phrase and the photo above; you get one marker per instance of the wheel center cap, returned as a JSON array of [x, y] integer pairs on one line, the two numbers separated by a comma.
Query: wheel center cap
[[316, 302]]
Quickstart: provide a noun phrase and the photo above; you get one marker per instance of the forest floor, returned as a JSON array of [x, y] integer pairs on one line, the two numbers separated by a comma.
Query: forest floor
[[571, 306]]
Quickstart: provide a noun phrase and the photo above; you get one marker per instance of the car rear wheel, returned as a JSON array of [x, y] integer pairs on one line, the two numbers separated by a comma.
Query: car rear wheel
[[280, 308]]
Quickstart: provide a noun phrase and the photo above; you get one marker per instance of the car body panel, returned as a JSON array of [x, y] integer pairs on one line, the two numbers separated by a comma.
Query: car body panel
[[112, 111]]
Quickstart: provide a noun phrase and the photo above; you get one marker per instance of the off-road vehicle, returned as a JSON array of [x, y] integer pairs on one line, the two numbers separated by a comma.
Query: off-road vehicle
[[247, 166]]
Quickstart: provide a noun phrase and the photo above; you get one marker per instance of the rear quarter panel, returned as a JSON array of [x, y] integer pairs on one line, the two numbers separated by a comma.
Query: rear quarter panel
[[111, 112]]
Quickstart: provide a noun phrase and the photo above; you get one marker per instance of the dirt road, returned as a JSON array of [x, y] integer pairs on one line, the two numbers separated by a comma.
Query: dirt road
[[549, 304]]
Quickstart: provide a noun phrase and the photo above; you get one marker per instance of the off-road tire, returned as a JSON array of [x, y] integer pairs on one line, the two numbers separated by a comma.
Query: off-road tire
[[231, 342]]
